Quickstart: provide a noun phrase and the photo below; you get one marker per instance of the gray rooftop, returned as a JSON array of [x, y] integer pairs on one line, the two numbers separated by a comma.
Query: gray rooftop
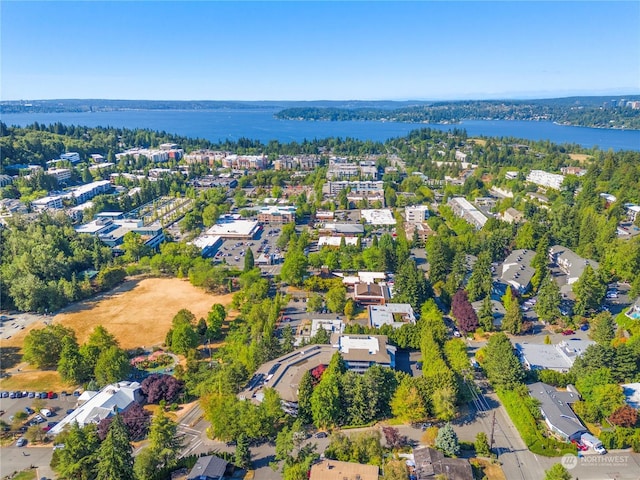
[[555, 407], [431, 463], [208, 467], [570, 262], [516, 269]]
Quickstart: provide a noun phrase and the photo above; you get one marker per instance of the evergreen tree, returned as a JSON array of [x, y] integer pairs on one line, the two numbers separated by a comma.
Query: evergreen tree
[[305, 390], [115, 454], [163, 439], [437, 257], [589, 291], [411, 285], [485, 316], [479, 285], [512, 321], [243, 454], [447, 441], [602, 329], [501, 364], [78, 458], [548, 305], [540, 262], [248, 260]]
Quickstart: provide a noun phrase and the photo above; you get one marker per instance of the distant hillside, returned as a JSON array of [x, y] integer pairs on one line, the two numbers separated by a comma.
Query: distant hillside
[[599, 112]]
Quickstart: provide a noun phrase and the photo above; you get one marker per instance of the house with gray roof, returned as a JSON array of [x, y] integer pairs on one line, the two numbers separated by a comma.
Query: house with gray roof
[[209, 468], [431, 463], [556, 410], [516, 270], [570, 263], [560, 357]]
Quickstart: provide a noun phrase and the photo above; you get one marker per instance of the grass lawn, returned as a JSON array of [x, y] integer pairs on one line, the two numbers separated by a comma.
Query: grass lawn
[[26, 475], [491, 470]]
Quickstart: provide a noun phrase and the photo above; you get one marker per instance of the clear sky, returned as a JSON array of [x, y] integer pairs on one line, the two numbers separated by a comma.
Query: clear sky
[[206, 50]]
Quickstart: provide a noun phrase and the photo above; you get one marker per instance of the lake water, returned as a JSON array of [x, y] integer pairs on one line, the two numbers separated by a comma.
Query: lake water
[[259, 124]]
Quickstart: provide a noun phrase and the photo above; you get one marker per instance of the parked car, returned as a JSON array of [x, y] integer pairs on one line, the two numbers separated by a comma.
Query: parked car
[[21, 442], [32, 395], [45, 412], [568, 331], [30, 411], [584, 327], [321, 435]]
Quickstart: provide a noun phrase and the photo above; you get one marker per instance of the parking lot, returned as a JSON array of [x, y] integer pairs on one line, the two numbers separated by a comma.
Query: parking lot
[[232, 251], [57, 406], [12, 322]]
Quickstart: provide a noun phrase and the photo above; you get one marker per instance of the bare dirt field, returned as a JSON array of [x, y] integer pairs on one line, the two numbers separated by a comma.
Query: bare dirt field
[[138, 313], [581, 157]]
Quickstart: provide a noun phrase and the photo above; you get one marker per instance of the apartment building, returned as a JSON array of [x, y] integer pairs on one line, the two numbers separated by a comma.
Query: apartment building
[[545, 179]]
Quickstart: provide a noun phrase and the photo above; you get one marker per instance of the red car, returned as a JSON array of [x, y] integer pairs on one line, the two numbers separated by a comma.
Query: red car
[[568, 332]]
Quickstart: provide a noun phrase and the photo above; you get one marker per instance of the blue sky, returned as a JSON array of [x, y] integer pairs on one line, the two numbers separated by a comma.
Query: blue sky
[[318, 50]]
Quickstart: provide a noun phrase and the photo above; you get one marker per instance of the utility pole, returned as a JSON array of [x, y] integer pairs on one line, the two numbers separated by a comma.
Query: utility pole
[[493, 425]]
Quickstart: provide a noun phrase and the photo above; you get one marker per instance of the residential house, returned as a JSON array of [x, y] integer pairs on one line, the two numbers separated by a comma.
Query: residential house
[[210, 468], [335, 470], [512, 215], [430, 463], [560, 357], [556, 410]]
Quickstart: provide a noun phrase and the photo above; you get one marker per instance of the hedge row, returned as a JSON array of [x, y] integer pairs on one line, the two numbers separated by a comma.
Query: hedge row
[[519, 409]]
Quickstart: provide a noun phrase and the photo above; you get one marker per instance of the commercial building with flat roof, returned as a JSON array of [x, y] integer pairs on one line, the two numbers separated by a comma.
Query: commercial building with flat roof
[[394, 314], [284, 373], [239, 229], [381, 216], [363, 351], [277, 214], [416, 213]]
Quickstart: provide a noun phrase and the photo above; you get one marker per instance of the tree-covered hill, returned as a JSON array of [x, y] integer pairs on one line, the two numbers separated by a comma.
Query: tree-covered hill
[[601, 112]]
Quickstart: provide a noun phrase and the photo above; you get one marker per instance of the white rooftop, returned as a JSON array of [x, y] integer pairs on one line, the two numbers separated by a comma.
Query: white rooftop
[[382, 216], [335, 241], [369, 343], [242, 228], [112, 398]]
